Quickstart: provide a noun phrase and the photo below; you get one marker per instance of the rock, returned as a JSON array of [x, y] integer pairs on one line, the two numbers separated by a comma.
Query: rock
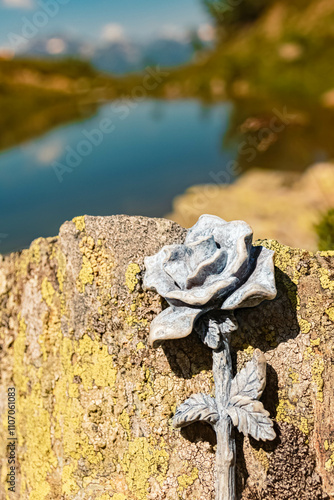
[[94, 402], [278, 205]]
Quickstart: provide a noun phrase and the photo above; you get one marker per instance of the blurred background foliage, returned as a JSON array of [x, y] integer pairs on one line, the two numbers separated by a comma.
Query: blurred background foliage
[[266, 53], [325, 231]]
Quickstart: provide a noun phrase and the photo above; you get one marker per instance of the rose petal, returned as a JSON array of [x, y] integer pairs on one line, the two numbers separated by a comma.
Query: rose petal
[[259, 286], [216, 286], [199, 296], [175, 265], [237, 237], [207, 225], [155, 277], [234, 237], [200, 251], [184, 261], [225, 234], [206, 260], [173, 323]]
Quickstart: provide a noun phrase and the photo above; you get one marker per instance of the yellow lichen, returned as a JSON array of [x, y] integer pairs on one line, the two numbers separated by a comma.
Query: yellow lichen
[[34, 430], [326, 445], [61, 269], [185, 481], [133, 320], [140, 346], [328, 464], [29, 256], [118, 496], [86, 276], [96, 264], [325, 280], [315, 342], [94, 364], [47, 291], [294, 377], [248, 350], [131, 279], [69, 485], [124, 420], [304, 425], [142, 461], [317, 371], [69, 418], [330, 313], [261, 455], [285, 257], [145, 388], [308, 353], [283, 411], [89, 362], [305, 326], [80, 223], [20, 378]]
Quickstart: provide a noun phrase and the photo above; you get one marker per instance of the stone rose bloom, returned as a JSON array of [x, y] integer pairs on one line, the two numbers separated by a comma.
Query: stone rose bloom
[[217, 267]]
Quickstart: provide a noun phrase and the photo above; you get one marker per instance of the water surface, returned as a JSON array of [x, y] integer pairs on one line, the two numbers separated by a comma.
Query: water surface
[[155, 152]]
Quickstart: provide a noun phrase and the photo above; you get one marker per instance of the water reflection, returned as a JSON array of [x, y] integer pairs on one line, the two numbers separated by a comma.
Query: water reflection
[[280, 136], [153, 154]]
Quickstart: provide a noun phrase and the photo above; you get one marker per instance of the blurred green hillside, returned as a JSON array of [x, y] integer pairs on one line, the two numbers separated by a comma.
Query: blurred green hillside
[[37, 95], [283, 50], [268, 55]]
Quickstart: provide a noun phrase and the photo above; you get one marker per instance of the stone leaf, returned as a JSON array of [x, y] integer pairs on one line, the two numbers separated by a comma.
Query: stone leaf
[[251, 418], [209, 329], [196, 408], [251, 380]]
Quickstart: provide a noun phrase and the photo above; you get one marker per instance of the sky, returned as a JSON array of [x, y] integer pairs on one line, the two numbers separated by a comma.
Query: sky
[[96, 20]]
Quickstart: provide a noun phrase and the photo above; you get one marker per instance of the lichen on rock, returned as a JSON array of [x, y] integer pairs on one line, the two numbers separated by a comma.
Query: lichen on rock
[[94, 403]]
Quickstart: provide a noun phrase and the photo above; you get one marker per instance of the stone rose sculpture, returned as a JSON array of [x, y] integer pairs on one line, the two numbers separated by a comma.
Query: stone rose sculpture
[[215, 271]]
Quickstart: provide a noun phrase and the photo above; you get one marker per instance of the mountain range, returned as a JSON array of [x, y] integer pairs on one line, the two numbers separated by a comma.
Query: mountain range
[[118, 57]]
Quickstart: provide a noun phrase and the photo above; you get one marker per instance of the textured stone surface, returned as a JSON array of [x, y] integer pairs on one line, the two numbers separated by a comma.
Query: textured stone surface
[[94, 403]]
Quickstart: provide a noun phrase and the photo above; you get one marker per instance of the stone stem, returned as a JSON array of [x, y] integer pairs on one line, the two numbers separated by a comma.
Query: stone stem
[[225, 458]]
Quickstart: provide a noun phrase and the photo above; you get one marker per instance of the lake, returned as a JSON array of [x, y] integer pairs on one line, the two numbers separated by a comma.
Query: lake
[[132, 161]]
